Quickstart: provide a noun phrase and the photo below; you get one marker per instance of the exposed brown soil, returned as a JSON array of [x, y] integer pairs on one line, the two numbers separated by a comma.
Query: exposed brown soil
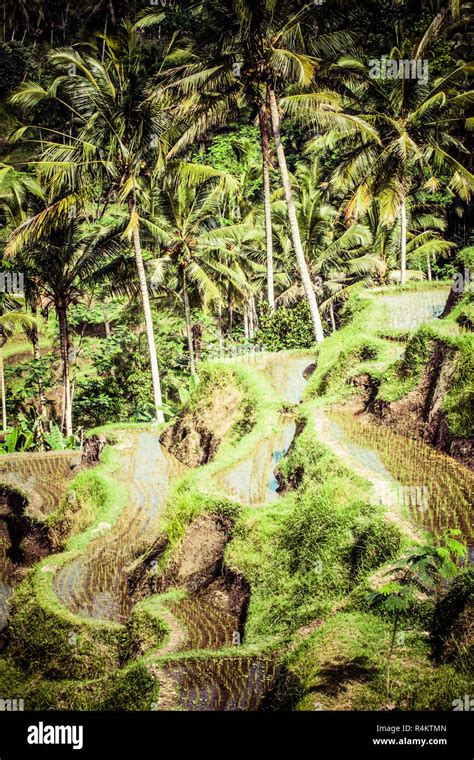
[[420, 414], [198, 567], [197, 434], [27, 540], [92, 450], [199, 557]]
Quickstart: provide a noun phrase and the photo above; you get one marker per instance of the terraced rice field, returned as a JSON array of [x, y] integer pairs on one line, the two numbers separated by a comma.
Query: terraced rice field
[[286, 375], [220, 683], [95, 584], [253, 481], [41, 477], [409, 310], [433, 489], [205, 626]]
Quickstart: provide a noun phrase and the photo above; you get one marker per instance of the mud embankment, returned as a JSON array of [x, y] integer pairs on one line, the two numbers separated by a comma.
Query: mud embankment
[[420, 413], [199, 431]]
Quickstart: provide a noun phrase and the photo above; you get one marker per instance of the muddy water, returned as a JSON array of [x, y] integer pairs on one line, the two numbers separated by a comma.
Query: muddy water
[[5, 594], [95, 584], [432, 488], [6, 569], [254, 481]]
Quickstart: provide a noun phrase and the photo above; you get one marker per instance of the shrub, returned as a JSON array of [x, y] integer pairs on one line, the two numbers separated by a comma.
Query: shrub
[[285, 328]]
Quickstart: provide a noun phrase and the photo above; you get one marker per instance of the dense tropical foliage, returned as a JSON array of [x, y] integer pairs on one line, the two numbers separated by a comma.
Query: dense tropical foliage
[[203, 177]]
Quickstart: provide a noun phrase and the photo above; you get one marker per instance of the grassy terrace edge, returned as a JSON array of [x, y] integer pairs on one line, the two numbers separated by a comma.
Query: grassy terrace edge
[[42, 624]]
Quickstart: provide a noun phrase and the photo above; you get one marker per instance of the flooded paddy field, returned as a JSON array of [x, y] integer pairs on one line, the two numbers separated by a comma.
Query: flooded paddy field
[[433, 488]]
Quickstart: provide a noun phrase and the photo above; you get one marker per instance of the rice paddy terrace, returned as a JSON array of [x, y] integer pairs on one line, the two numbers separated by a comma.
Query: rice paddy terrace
[[36, 482], [95, 585], [432, 490], [41, 477], [408, 310], [199, 667]]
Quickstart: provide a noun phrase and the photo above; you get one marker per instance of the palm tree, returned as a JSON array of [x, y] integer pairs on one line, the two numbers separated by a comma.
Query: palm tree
[[425, 243], [11, 319], [336, 252], [118, 141], [412, 145], [61, 258], [246, 52], [196, 252]]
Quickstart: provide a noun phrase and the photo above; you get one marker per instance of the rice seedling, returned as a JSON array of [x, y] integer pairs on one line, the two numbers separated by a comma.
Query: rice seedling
[[435, 489], [43, 477], [408, 310], [95, 584]]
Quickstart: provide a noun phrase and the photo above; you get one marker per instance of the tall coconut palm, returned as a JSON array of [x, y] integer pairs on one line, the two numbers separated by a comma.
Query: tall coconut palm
[[413, 145], [196, 252], [425, 241], [118, 141], [61, 260], [336, 252], [247, 52]]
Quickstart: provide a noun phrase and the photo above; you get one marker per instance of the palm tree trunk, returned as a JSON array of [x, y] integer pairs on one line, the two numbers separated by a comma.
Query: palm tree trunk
[[250, 315], [265, 147], [254, 314], [246, 321], [428, 262], [64, 351], [155, 373], [403, 243], [41, 394], [295, 232], [105, 33], [331, 314], [2, 385], [189, 332], [230, 314], [219, 323]]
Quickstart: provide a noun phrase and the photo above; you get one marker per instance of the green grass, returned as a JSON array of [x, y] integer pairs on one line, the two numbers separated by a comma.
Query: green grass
[[343, 666], [309, 558], [299, 553], [365, 347]]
